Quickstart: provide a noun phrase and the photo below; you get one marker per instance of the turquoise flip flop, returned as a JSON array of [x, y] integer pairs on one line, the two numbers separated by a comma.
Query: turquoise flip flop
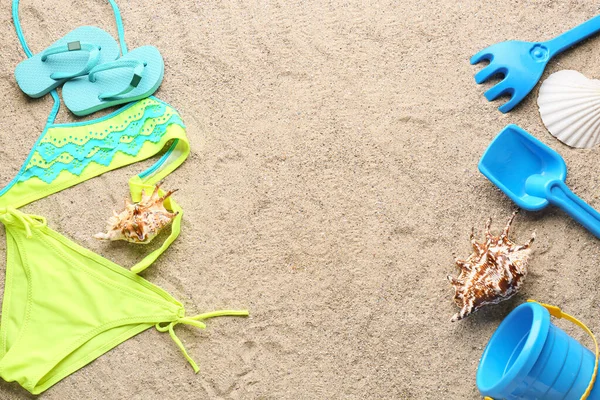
[[73, 55], [134, 76]]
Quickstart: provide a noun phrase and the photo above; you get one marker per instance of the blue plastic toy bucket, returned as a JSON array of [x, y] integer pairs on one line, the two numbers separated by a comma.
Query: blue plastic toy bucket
[[530, 358]]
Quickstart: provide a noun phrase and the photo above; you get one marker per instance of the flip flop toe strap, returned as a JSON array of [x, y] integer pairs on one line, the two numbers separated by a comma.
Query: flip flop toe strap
[[135, 65], [92, 49]]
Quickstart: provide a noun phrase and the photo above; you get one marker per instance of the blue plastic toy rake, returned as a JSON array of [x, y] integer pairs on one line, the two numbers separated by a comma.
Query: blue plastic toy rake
[[522, 63]]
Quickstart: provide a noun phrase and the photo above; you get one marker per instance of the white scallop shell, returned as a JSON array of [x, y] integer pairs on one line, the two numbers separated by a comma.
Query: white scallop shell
[[569, 105]]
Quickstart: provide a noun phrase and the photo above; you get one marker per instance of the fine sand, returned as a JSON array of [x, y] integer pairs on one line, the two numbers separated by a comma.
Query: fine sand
[[332, 181]]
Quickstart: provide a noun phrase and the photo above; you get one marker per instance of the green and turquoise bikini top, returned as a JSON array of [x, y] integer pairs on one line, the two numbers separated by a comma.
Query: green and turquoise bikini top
[[64, 306], [68, 154]]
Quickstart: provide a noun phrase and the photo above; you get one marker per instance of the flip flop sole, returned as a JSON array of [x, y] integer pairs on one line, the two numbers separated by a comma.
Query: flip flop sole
[[33, 74]]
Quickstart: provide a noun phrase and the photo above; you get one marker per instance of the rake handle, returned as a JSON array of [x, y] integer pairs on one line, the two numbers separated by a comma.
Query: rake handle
[[573, 36]]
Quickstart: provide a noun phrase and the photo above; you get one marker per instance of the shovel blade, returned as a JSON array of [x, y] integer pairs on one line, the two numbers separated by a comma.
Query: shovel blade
[[514, 156]]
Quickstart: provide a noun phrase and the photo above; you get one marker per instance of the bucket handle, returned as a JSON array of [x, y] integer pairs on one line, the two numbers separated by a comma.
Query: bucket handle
[[557, 312]]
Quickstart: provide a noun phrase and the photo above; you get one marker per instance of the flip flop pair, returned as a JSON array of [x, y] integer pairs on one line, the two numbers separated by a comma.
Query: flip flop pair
[[86, 62]]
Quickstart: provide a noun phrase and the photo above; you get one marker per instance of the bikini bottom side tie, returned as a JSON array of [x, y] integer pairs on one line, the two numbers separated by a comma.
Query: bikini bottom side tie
[[27, 221], [197, 322]]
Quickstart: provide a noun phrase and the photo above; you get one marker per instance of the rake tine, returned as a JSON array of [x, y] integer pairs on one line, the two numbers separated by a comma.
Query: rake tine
[[484, 54], [486, 73], [498, 90], [509, 105]]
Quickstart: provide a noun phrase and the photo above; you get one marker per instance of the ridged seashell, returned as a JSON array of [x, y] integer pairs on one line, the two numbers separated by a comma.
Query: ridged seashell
[[569, 105], [139, 222], [493, 272]]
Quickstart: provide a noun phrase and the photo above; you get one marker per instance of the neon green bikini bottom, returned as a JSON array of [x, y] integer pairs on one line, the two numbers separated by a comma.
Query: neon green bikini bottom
[[63, 305]]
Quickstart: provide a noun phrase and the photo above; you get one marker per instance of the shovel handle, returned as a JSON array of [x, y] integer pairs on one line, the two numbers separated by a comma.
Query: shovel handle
[[573, 36], [560, 195]]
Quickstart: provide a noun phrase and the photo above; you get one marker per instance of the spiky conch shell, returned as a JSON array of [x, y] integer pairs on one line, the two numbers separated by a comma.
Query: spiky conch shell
[[139, 222], [493, 273]]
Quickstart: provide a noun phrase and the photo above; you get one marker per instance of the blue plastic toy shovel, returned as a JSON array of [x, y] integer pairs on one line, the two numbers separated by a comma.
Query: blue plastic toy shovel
[[522, 63], [533, 175]]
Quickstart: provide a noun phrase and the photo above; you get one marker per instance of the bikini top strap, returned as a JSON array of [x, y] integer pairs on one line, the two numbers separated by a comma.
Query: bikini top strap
[[17, 22], [120, 30], [54, 93], [147, 180]]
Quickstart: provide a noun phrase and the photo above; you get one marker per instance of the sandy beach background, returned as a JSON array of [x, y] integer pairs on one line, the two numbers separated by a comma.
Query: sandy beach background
[[333, 180]]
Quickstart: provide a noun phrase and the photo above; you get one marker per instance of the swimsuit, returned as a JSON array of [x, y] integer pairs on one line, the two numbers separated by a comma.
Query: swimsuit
[[64, 305]]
